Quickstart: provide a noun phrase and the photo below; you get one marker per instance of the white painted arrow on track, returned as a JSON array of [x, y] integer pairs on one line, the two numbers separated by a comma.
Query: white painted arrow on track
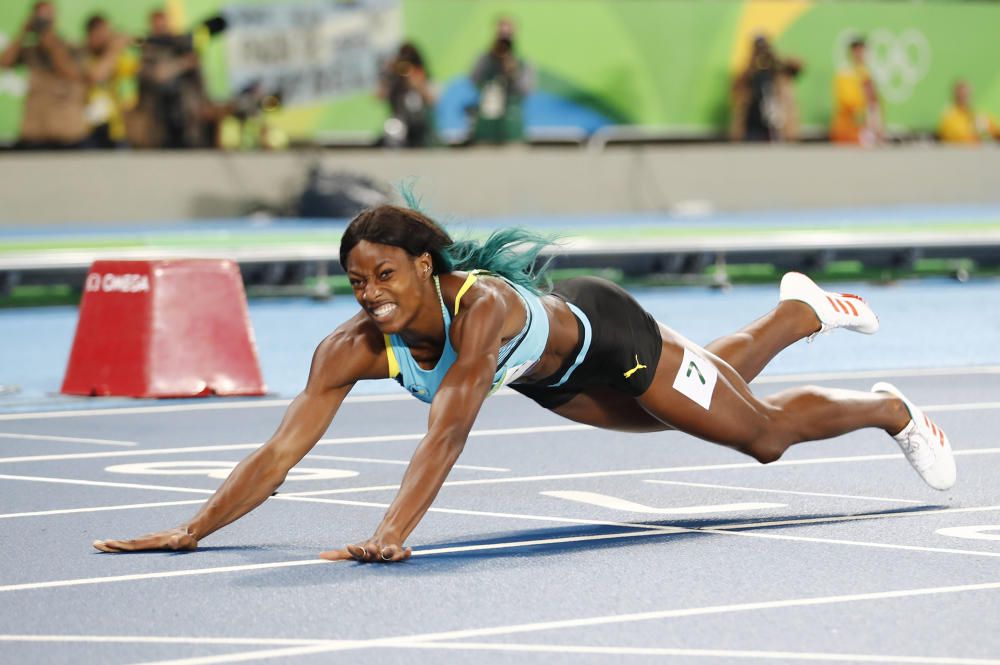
[[616, 503]]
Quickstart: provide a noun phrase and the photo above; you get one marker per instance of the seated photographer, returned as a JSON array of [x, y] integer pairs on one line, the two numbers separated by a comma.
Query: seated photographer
[[53, 115], [405, 85]]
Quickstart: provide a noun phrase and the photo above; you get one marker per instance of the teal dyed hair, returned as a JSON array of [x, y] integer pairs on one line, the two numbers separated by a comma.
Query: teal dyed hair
[[512, 253]]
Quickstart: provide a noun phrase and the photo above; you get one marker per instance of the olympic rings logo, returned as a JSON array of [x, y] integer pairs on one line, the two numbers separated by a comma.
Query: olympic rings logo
[[896, 62]]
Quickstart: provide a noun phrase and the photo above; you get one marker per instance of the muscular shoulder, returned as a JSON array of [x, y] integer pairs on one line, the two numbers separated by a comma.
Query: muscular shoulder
[[352, 352], [487, 309]]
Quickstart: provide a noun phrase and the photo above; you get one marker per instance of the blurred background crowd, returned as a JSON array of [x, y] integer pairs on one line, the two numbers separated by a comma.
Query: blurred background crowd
[[311, 72]]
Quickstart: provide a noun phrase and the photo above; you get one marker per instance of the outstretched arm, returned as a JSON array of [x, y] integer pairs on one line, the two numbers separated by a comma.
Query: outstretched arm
[[338, 362], [476, 335]]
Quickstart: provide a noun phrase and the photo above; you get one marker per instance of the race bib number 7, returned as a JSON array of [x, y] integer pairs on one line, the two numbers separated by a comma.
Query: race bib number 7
[[696, 379]]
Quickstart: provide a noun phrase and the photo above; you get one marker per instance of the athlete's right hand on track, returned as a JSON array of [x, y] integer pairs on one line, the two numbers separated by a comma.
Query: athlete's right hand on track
[[171, 539]]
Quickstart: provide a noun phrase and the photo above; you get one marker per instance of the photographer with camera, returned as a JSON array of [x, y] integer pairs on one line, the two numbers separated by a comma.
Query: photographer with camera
[[503, 81], [54, 104], [763, 104], [174, 110], [405, 85], [108, 67]]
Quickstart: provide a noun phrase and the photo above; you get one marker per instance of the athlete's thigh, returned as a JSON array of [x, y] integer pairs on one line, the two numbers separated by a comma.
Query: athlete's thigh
[[609, 409], [679, 395]]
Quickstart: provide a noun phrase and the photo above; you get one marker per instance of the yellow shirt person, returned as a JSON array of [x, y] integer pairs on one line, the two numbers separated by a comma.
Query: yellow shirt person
[[960, 122], [857, 112]]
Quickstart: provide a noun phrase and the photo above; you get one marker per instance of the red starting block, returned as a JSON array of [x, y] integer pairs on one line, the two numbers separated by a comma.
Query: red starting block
[[171, 328]]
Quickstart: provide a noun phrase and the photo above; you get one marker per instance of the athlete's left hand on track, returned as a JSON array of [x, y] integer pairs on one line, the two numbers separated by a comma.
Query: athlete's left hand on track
[[374, 550], [170, 540]]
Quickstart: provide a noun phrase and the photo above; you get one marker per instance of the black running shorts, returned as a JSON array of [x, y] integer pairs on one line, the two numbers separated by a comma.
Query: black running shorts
[[622, 351]]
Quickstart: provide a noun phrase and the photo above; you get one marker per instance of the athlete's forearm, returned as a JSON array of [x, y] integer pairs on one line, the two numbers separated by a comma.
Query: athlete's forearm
[[249, 485], [431, 463]]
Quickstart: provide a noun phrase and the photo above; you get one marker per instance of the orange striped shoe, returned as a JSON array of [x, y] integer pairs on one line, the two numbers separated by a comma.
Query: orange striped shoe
[[925, 444], [834, 310]]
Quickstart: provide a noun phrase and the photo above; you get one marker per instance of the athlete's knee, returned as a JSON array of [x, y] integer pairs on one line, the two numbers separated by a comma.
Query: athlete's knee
[[769, 442], [766, 451]]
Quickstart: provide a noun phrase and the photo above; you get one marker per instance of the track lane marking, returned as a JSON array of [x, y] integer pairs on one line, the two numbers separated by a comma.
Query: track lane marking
[[617, 503], [381, 438], [652, 471], [67, 439], [104, 483], [435, 638], [401, 397], [696, 653], [98, 509], [145, 639], [487, 481], [505, 646], [371, 460], [774, 491], [640, 530]]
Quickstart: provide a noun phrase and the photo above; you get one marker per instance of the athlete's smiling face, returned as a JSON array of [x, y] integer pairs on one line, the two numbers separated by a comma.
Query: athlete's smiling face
[[389, 284]]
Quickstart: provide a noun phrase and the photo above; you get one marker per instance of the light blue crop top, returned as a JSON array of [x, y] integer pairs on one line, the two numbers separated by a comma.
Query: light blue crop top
[[515, 358]]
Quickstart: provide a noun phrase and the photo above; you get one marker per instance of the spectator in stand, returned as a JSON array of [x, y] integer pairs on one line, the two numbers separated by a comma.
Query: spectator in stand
[[962, 124], [405, 85], [108, 66], [173, 110], [857, 114], [54, 104], [503, 81], [763, 101]]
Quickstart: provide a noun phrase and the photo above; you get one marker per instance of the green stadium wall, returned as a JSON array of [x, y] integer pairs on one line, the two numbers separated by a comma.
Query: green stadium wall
[[662, 63]]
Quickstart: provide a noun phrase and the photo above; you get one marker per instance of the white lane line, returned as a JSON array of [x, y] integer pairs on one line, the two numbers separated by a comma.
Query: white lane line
[[310, 562], [505, 646], [878, 374], [617, 503], [101, 483], [971, 406], [484, 513], [370, 460], [148, 639], [98, 509], [69, 439], [851, 518], [53, 584], [704, 611], [180, 408], [489, 481], [856, 543], [646, 531], [401, 397], [650, 471], [727, 529], [256, 655], [695, 653], [596, 474], [509, 431], [772, 491], [435, 638]]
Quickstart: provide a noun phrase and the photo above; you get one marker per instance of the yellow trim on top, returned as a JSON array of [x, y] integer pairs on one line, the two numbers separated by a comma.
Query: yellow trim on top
[[391, 355], [469, 281]]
